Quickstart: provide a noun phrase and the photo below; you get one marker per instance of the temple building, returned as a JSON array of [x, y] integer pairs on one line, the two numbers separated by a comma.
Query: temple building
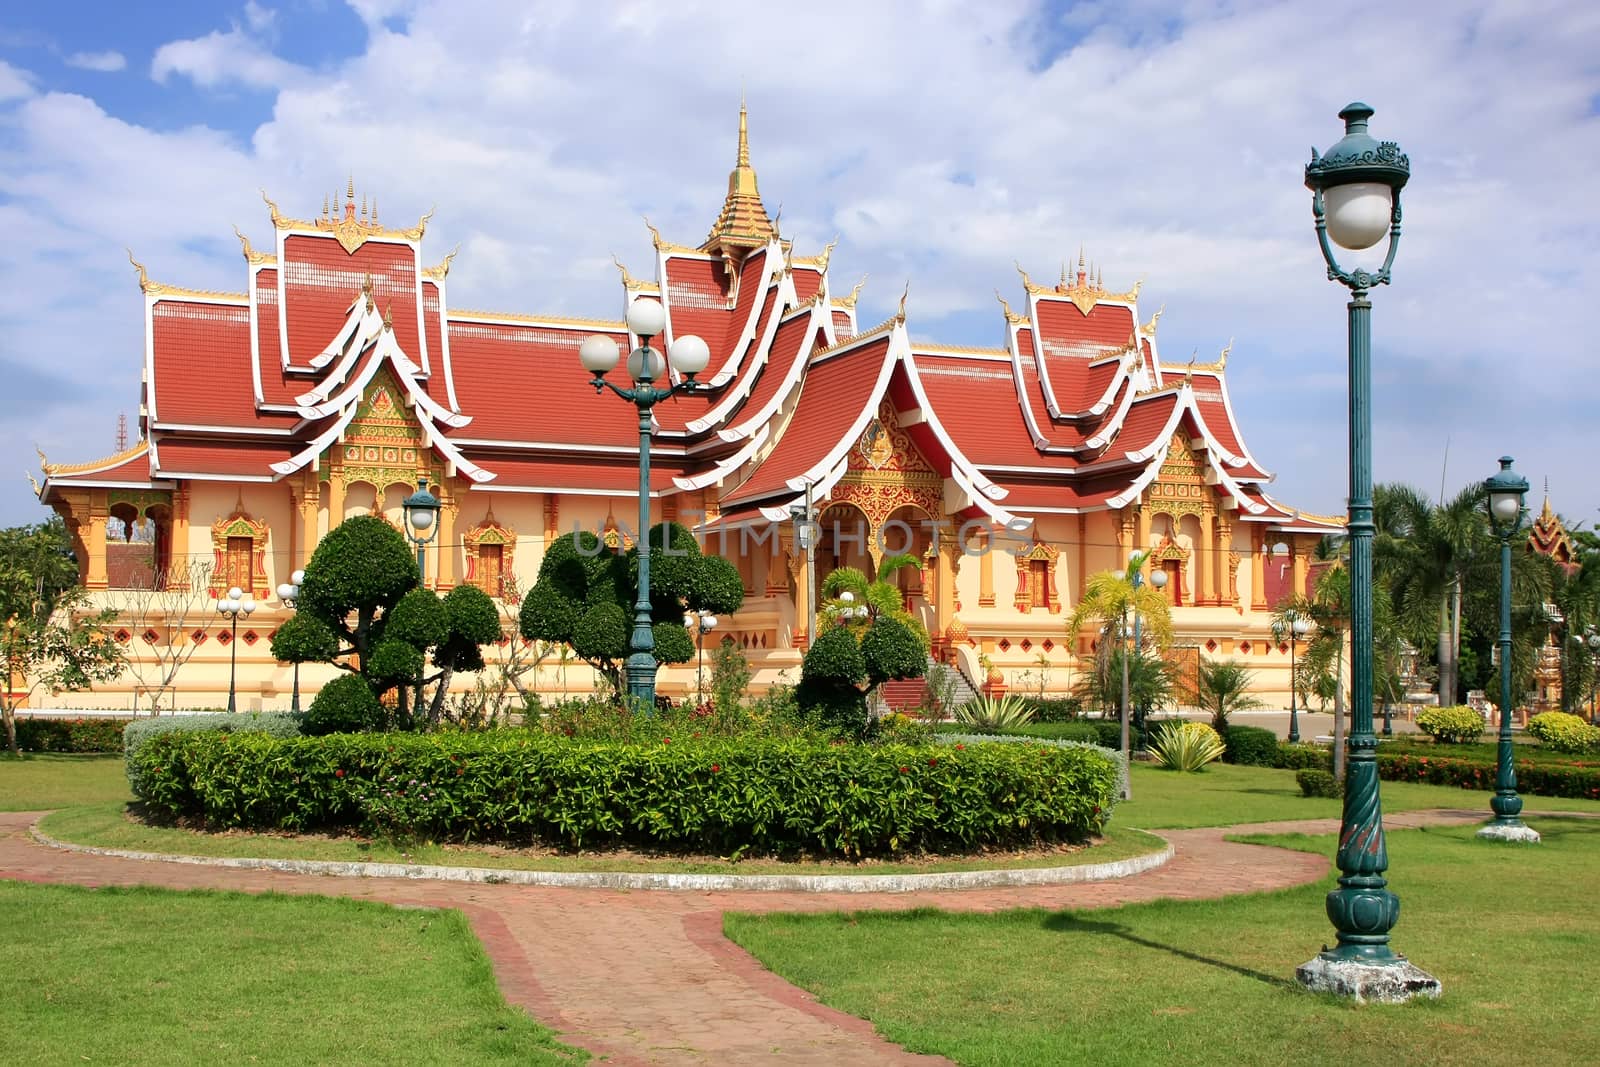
[[346, 369]]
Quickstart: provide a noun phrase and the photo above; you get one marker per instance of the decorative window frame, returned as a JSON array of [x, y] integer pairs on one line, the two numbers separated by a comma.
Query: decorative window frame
[[1170, 551], [240, 524], [490, 532], [1023, 601]]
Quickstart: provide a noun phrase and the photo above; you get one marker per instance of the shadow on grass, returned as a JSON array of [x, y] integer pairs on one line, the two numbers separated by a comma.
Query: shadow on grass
[[1067, 922]]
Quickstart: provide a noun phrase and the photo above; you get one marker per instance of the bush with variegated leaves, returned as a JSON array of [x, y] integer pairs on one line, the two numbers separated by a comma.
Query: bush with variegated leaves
[[1186, 746]]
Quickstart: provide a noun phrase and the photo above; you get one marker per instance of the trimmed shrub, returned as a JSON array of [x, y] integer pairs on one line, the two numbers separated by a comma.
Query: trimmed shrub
[[1110, 733], [719, 796], [70, 735], [1451, 725], [1250, 745], [1565, 733], [1186, 746], [345, 705], [1317, 783], [1299, 756], [137, 733], [962, 740], [1055, 709], [1533, 779], [1065, 731]]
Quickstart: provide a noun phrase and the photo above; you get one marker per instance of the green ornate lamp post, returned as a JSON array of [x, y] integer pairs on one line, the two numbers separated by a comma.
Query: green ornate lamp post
[[421, 510], [1505, 489], [1355, 200], [689, 355]]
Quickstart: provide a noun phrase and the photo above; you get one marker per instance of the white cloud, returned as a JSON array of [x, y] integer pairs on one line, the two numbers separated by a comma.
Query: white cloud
[[105, 62], [939, 148], [14, 82], [219, 59]]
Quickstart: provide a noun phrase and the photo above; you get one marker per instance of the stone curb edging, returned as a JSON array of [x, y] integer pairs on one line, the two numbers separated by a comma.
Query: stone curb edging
[[775, 883]]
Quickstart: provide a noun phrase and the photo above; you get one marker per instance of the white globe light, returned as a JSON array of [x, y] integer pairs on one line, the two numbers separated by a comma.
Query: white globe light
[[709, 622], [227, 605], [689, 355], [1158, 578], [847, 596], [235, 593], [1506, 506], [249, 606], [599, 353], [1358, 214], [658, 366], [646, 317], [421, 518], [1300, 627], [1594, 641], [298, 578], [286, 591]]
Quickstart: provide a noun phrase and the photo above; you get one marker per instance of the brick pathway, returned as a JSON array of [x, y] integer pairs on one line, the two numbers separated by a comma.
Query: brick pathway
[[646, 977]]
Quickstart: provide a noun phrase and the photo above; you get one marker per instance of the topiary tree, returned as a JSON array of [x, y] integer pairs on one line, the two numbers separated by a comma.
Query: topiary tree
[[343, 706], [355, 578], [584, 596], [840, 668]]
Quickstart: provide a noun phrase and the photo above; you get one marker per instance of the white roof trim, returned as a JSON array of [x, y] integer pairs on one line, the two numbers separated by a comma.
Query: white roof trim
[[728, 466], [791, 378]]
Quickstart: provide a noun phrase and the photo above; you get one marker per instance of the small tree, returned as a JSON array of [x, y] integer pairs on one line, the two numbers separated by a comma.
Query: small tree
[[163, 605], [1222, 688], [730, 675], [53, 646], [585, 592], [355, 579]]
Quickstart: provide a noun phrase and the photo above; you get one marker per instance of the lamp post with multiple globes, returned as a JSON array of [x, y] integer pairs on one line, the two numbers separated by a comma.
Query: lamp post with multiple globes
[[703, 623], [236, 603], [289, 593], [689, 356]]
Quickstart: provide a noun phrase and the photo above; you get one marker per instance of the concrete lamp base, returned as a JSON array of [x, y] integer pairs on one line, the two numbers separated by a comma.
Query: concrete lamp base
[[1501, 832], [1390, 983]]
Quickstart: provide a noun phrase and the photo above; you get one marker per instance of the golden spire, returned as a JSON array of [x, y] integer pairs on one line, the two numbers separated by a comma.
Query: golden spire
[[742, 225]]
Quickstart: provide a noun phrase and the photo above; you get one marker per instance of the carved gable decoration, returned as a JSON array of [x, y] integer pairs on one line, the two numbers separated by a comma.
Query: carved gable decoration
[[382, 444], [884, 446], [1180, 488], [884, 472], [239, 524]]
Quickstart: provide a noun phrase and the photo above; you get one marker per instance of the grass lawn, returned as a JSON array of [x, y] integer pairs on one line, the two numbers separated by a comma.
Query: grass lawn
[[149, 976], [1225, 794], [1505, 929], [38, 781], [106, 826]]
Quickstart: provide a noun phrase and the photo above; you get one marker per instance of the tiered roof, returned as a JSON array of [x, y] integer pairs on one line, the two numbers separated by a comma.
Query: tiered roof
[[1074, 412]]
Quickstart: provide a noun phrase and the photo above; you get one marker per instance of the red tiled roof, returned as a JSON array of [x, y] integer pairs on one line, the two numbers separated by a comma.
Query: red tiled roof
[[202, 365], [432, 315], [320, 279], [977, 402], [133, 469], [806, 283], [1210, 393], [833, 395], [1073, 494], [1069, 340], [615, 476], [841, 325], [785, 349], [195, 455], [524, 383]]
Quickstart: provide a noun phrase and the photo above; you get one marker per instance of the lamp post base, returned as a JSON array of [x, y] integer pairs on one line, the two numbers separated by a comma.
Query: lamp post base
[[1509, 831], [1393, 982]]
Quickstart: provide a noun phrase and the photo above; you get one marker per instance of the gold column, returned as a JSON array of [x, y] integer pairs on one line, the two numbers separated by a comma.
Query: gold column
[[180, 559], [796, 557], [1258, 570], [94, 539], [985, 569], [1141, 530], [449, 544], [945, 580], [1083, 548], [1227, 591], [1124, 535], [335, 499], [1205, 579], [1297, 569], [310, 503], [552, 518]]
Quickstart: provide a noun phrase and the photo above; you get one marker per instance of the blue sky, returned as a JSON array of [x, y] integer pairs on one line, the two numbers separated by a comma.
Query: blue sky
[[1166, 138]]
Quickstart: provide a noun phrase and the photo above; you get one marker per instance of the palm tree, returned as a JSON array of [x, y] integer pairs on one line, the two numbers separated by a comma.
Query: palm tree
[[1223, 687], [1109, 598], [1291, 611]]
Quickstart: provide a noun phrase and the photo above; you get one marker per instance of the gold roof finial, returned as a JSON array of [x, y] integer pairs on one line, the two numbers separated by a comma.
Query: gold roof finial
[[744, 133], [855, 293], [388, 318], [1062, 284], [1222, 360], [742, 225], [363, 207], [324, 205], [366, 290], [1011, 316], [440, 271], [34, 482], [144, 279], [1027, 283], [1080, 254], [627, 279], [900, 316], [374, 211], [44, 463], [1149, 328], [277, 217]]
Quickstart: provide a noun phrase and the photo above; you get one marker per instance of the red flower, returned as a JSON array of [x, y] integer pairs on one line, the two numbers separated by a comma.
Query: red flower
[[715, 768], [459, 772], [666, 740], [1097, 809], [959, 747], [339, 773], [905, 770], [932, 762]]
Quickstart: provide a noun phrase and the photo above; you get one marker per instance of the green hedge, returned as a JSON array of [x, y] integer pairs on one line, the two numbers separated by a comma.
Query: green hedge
[[720, 796], [1298, 757], [1250, 745], [139, 732], [1054, 709], [1533, 779], [70, 735]]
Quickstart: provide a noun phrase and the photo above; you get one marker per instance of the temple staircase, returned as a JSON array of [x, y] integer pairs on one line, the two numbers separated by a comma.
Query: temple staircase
[[907, 695]]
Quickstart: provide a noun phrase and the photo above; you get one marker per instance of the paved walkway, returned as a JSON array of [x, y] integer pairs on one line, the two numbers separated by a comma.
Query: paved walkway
[[646, 977]]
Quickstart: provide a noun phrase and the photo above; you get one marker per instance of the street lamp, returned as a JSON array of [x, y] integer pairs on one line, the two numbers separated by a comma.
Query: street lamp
[[1158, 579], [236, 603], [703, 622], [289, 593], [689, 355], [422, 512], [1355, 199], [1506, 489], [1594, 675], [1297, 628], [805, 539]]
